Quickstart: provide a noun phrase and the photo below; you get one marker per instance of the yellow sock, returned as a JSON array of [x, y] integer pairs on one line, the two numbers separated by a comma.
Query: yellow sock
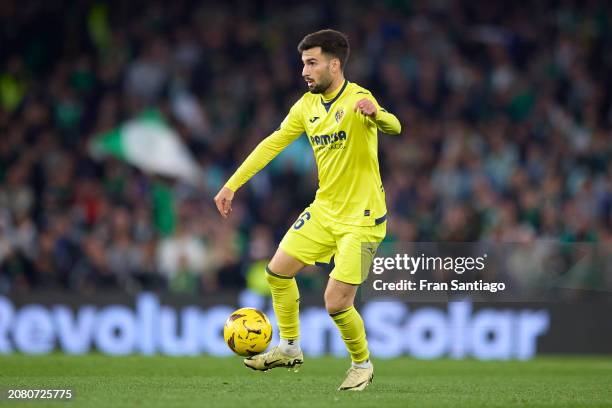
[[353, 333], [286, 302]]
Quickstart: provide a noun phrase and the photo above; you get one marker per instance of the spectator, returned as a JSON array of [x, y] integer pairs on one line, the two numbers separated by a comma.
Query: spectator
[[507, 115]]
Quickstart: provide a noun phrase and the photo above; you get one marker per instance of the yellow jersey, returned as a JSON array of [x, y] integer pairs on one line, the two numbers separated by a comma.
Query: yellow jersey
[[345, 146]]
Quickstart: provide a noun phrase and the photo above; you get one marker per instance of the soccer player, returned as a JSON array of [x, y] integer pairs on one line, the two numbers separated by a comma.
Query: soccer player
[[341, 121]]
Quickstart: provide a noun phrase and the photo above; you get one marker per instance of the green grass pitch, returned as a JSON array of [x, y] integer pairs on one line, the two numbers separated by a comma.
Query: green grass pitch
[[101, 381]]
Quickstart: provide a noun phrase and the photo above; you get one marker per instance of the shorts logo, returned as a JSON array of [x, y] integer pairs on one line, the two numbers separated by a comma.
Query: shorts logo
[[339, 115]]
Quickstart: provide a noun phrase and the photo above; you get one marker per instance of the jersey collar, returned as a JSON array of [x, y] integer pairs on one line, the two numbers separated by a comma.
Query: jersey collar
[[328, 105]]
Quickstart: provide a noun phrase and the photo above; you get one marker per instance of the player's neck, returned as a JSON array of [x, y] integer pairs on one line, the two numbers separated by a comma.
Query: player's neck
[[333, 88]]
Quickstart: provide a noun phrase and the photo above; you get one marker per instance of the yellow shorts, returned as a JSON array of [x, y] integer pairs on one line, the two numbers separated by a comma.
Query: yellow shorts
[[316, 239]]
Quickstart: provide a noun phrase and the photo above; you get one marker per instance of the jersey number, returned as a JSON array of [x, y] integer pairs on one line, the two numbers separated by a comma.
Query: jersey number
[[300, 222]]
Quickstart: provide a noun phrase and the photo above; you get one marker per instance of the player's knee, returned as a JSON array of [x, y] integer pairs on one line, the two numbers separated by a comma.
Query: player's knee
[[335, 302], [284, 265], [271, 274]]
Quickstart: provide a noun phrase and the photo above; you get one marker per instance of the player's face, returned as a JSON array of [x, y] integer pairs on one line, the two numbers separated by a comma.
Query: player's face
[[317, 70]]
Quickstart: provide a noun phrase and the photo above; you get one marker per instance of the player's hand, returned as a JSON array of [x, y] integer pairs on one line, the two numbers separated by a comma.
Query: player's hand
[[366, 107], [223, 200]]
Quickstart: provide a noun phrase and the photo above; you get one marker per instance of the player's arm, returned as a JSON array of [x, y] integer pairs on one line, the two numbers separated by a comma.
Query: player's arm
[[290, 129], [386, 122]]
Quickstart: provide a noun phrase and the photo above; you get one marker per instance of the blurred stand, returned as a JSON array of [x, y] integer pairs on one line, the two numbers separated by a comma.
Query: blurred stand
[[506, 111]]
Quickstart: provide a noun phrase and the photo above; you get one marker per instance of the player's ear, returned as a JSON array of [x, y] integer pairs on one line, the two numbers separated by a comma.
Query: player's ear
[[335, 64]]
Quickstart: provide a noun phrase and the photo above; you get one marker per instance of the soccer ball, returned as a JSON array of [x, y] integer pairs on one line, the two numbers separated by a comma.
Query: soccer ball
[[247, 331]]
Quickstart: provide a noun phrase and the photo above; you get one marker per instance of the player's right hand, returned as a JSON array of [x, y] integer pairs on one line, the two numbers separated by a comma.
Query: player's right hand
[[223, 200]]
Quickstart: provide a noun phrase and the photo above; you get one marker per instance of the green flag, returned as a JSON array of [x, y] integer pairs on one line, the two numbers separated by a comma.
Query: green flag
[[148, 143]]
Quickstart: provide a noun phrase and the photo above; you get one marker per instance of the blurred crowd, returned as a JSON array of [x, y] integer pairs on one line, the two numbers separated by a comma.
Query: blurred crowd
[[506, 111]]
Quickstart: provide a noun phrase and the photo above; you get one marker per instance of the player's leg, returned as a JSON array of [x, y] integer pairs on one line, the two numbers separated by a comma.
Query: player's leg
[[339, 302], [280, 274], [356, 249], [305, 242]]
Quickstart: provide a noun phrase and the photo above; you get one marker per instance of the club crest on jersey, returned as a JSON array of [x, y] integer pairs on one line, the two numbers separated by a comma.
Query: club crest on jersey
[[339, 115]]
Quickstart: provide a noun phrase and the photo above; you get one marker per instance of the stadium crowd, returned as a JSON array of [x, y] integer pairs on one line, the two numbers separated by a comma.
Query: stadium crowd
[[506, 111]]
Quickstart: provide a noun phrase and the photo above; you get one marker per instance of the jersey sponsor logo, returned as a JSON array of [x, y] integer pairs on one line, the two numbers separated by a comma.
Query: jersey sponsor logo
[[339, 115], [320, 140]]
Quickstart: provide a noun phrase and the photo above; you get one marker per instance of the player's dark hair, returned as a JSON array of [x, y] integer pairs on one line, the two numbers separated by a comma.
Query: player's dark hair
[[332, 42]]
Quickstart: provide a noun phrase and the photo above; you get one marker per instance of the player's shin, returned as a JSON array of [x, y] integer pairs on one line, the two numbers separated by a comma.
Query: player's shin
[[286, 302], [352, 329]]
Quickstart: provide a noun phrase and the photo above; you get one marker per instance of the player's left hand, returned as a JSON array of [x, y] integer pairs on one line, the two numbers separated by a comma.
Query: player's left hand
[[366, 107]]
